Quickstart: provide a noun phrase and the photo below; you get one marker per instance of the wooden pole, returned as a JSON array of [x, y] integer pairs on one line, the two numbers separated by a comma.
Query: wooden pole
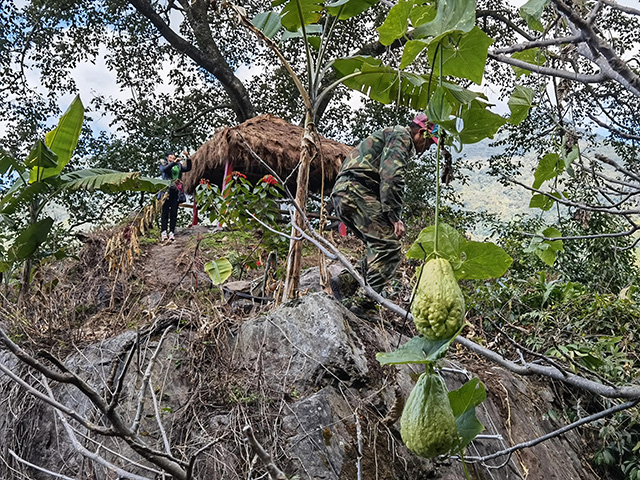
[[308, 151]]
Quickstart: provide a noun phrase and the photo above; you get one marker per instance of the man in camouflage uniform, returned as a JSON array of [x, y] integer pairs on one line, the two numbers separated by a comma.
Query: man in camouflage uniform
[[368, 196]]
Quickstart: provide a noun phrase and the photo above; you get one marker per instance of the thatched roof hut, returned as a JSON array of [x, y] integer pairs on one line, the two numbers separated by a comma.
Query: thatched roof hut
[[272, 139]]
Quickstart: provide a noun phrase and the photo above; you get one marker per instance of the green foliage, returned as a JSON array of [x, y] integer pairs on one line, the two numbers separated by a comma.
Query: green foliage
[[469, 259], [463, 403], [620, 438], [545, 248], [461, 54], [218, 270], [62, 141], [38, 183], [111, 181], [532, 13], [243, 206], [416, 350], [534, 56], [520, 103], [566, 320]]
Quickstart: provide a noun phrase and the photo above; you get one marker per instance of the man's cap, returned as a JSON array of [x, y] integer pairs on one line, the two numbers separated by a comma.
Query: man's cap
[[423, 122]]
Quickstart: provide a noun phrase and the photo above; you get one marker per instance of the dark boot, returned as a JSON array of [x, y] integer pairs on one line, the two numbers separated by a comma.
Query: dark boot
[[343, 285], [365, 308]]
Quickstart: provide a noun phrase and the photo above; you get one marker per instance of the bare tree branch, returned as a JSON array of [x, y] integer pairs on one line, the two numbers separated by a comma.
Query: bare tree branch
[[274, 472], [68, 411], [118, 428], [156, 411], [210, 58], [84, 451], [145, 382], [565, 201], [543, 42], [38, 468], [599, 51], [622, 8], [617, 131], [555, 433], [552, 72], [502, 18]]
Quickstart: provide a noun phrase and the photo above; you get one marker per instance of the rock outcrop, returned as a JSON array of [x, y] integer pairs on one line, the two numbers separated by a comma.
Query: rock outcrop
[[304, 376]]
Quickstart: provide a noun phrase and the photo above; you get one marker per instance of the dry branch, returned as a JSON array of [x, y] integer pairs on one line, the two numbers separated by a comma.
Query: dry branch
[[274, 472]]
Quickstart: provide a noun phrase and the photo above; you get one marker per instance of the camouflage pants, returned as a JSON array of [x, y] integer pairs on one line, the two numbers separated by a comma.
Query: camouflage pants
[[361, 211]]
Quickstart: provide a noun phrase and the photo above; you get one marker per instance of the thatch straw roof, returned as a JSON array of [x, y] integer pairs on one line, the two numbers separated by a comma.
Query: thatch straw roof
[[275, 141]]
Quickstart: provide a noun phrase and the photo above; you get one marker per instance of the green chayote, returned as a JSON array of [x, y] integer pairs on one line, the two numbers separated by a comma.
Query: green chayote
[[428, 426], [438, 308]]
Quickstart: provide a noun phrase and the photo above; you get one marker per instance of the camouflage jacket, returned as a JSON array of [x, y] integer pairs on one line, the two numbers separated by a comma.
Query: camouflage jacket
[[379, 164]]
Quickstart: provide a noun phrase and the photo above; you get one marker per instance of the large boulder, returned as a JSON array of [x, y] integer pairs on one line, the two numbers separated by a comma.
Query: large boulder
[[305, 377]]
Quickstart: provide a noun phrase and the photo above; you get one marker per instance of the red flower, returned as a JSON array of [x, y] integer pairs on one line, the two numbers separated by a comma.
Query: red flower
[[234, 176], [269, 179]]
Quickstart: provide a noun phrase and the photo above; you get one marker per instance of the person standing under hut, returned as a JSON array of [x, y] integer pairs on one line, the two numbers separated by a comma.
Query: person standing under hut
[[368, 197], [172, 169]]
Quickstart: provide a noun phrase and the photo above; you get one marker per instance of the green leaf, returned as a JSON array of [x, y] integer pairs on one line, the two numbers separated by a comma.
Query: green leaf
[[439, 108], [460, 54], [63, 139], [29, 240], [483, 260], [532, 13], [520, 103], [416, 350], [534, 56], [383, 83], [297, 13], [8, 164], [479, 123], [411, 50], [570, 157], [15, 197], [546, 250], [460, 95], [218, 270], [268, 23], [463, 403], [344, 9], [309, 30], [422, 14], [451, 15], [111, 181], [396, 23], [469, 260], [450, 244], [543, 202], [470, 395], [41, 156], [315, 42], [550, 166]]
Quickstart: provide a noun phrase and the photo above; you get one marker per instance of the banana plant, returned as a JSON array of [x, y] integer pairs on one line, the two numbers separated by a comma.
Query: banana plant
[[38, 180]]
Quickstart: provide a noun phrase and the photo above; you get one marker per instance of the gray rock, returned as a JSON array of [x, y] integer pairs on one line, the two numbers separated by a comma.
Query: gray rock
[[310, 278], [307, 342]]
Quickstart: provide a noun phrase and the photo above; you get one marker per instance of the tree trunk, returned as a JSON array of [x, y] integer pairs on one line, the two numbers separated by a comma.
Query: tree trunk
[[207, 56], [308, 152]]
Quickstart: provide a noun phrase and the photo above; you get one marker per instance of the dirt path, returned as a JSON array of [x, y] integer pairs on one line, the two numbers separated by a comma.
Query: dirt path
[[167, 263]]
